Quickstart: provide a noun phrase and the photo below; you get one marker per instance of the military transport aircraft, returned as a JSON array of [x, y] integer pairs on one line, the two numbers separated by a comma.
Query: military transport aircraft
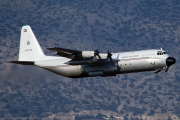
[[76, 64]]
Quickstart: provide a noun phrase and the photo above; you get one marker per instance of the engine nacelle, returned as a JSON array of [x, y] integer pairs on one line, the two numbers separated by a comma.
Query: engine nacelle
[[87, 54]]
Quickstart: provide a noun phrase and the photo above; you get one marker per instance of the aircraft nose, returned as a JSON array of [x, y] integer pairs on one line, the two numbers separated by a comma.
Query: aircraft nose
[[170, 61]]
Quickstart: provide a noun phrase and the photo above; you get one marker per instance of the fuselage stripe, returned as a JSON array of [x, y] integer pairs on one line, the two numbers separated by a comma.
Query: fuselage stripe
[[142, 58]]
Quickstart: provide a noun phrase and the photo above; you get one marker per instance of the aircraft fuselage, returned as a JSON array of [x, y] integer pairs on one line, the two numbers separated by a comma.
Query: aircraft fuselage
[[124, 62]]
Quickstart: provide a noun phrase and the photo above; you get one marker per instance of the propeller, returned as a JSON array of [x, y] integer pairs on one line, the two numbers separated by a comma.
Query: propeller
[[96, 53], [109, 55]]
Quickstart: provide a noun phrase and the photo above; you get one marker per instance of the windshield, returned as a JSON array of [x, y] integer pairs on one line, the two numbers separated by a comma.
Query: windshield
[[161, 53]]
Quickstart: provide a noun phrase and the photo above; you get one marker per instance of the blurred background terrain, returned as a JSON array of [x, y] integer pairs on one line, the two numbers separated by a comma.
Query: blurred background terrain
[[114, 25]]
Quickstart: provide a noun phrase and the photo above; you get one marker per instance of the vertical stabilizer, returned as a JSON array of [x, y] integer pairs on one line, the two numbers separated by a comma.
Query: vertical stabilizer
[[30, 49]]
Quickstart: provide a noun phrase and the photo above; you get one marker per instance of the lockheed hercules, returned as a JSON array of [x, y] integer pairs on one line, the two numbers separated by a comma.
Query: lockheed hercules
[[76, 64]]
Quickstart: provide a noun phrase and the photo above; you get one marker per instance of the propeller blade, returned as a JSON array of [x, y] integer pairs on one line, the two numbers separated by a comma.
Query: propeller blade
[[96, 53], [167, 68]]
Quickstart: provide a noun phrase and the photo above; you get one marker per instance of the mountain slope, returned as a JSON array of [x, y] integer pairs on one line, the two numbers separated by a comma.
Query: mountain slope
[[88, 25]]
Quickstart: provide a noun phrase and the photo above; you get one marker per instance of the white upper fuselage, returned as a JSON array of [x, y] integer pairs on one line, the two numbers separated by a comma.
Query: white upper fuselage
[[125, 62], [142, 60]]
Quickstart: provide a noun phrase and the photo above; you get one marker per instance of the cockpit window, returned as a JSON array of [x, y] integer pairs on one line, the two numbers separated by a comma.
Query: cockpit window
[[161, 53]]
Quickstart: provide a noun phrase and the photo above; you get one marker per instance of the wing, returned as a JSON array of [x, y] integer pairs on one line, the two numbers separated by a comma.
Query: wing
[[72, 54], [83, 57]]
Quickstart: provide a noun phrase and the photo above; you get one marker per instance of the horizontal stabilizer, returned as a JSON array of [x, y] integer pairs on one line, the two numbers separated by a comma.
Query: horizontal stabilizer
[[22, 62]]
